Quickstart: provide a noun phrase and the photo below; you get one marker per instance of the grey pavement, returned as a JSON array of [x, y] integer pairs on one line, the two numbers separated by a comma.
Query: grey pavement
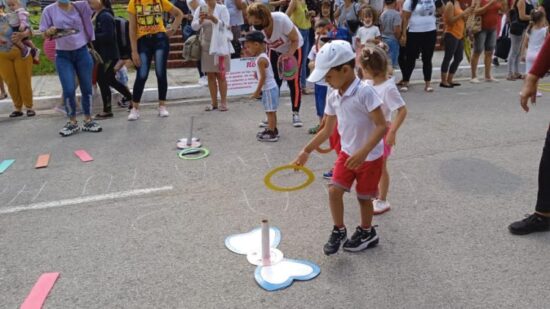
[[465, 166], [183, 84]]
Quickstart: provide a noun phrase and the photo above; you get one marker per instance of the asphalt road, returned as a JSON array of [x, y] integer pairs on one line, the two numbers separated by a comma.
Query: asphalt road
[[140, 228]]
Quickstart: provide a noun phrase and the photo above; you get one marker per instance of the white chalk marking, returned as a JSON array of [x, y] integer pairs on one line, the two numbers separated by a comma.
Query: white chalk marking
[[39, 191], [85, 199], [267, 160], [86, 185], [410, 186], [17, 195], [135, 177]]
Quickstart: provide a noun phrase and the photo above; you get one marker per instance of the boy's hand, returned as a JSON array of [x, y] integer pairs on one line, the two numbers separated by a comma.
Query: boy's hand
[[355, 160], [301, 159], [256, 95], [390, 138]]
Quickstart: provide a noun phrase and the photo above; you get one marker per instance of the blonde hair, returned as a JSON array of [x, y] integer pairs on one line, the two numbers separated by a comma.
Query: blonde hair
[[374, 60]]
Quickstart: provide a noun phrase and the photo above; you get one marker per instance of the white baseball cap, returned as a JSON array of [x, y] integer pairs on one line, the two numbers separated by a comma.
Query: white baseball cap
[[331, 55]]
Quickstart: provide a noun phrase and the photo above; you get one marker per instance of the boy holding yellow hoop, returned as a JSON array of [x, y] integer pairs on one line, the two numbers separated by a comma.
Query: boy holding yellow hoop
[[361, 125]]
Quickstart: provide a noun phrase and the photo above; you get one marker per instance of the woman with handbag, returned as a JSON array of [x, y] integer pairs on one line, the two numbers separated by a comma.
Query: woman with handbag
[[72, 56], [347, 17], [149, 40], [419, 21], [105, 35], [207, 18], [485, 39], [519, 20]]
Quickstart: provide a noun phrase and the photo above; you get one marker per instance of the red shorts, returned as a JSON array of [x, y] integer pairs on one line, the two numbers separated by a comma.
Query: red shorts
[[367, 176]]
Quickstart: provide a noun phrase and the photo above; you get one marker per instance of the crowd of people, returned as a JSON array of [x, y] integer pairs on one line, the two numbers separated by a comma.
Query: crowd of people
[[348, 49]]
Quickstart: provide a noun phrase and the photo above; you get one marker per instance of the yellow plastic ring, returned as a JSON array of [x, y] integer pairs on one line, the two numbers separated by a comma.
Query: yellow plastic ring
[[270, 185]]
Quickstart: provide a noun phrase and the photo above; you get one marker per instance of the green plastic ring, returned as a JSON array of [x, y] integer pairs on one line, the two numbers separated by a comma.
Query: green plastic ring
[[184, 153]]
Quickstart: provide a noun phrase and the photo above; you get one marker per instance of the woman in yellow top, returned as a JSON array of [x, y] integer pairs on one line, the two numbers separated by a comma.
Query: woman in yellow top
[[454, 18], [301, 17], [149, 39]]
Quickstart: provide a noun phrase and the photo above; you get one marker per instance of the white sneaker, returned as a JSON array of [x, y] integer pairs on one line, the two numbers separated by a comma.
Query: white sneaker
[[475, 80], [539, 94], [296, 122], [203, 81], [380, 207], [263, 123], [163, 112], [134, 115]]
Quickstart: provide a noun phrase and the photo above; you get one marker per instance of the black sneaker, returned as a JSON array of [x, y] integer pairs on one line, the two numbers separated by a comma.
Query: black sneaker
[[266, 129], [69, 129], [532, 223], [336, 238], [361, 240], [124, 103], [267, 136], [91, 126]]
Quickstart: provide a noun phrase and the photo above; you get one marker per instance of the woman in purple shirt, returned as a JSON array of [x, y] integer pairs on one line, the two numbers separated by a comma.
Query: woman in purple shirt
[[72, 56]]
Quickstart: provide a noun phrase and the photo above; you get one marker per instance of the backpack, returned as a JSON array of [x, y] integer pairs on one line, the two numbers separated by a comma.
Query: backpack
[[122, 29], [192, 48]]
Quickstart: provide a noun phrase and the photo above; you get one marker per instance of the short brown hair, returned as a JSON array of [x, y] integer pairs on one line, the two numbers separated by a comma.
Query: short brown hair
[[374, 59], [259, 10]]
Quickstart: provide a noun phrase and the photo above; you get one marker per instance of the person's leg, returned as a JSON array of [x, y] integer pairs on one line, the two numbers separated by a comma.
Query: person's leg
[[514, 55], [450, 47], [222, 83], [320, 100], [66, 71], [412, 50], [162, 48], [490, 44], [295, 86], [213, 88], [2, 89], [274, 58], [8, 72], [479, 46], [543, 196], [116, 84], [367, 212], [271, 121], [427, 47], [303, 65], [145, 55], [84, 65], [23, 68], [457, 58], [103, 83], [336, 202], [384, 183]]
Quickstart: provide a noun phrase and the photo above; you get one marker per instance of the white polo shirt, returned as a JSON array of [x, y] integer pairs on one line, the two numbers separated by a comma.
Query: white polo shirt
[[352, 110], [391, 98]]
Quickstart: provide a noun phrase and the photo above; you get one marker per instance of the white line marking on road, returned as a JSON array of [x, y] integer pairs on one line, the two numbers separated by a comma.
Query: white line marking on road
[[85, 199]]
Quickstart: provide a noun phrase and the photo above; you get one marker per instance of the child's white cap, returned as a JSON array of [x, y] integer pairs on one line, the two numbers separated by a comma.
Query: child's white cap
[[331, 55]]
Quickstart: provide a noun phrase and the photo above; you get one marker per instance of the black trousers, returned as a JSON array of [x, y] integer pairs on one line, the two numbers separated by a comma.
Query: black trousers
[[454, 49], [543, 196], [105, 80], [293, 85], [419, 42]]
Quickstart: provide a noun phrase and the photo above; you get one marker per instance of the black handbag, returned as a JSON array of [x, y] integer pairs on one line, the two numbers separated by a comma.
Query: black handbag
[[353, 25], [503, 44]]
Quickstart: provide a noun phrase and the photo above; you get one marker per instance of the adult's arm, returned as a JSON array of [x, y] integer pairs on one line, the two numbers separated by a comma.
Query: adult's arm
[[481, 10], [521, 11], [196, 23], [291, 7], [19, 36], [294, 39], [178, 16]]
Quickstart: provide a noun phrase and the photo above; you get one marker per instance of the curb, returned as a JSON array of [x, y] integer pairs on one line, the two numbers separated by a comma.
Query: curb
[[189, 93]]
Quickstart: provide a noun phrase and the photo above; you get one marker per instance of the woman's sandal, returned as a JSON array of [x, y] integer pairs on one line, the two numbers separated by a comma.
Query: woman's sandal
[[3, 96], [456, 84], [16, 114], [30, 113], [210, 108], [223, 107], [428, 89], [404, 88], [443, 85]]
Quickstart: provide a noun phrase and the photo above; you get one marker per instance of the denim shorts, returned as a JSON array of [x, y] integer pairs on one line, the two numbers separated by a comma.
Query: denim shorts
[[270, 99], [485, 40]]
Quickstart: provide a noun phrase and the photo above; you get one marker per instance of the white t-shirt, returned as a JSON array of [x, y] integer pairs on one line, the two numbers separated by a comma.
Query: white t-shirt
[[365, 34], [282, 26], [352, 110], [391, 98], [423, 17], [270, 82]]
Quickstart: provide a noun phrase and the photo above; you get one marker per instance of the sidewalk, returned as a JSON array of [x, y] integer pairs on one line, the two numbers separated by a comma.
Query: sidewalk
[[183, 84]]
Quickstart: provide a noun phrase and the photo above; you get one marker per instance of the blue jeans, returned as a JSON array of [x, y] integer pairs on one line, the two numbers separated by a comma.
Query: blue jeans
[[67, 63], [149, 46], [305, 52], [320, 99], [393, 44]]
